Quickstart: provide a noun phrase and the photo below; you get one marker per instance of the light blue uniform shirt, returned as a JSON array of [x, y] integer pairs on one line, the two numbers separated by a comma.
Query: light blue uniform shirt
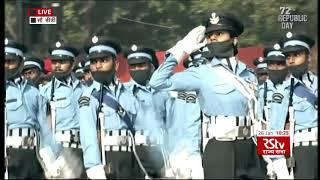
[[216, 96], [88, 118], [147, 118], [270, 90], [305, 113], [311, 81], [66, 98], [181, 112], [26, 108]]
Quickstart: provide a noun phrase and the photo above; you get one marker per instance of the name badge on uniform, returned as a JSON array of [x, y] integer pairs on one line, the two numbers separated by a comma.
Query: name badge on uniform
[[84, 101], [277, 97]]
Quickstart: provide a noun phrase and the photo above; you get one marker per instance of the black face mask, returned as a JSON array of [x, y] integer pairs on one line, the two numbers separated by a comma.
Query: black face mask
[[104, 77], [12, 73], [220, 49], [299, 70], [61, 75], [89, 82], [141, 76], [277, 76]]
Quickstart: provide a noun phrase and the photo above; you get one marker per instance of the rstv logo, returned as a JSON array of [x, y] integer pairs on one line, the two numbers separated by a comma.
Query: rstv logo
[[273, 143]]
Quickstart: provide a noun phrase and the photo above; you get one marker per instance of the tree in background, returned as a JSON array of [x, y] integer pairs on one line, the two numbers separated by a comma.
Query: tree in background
[[154, 23]]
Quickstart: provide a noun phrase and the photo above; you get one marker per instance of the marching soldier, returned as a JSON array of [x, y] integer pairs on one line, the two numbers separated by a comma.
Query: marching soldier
[[261, 70], [33, 70], [110, 108], [149, 134], [26, 128], [297, 49], [62, 93], [225, 88], [87, 73], [291, 106], [183, 121], [79, 73]]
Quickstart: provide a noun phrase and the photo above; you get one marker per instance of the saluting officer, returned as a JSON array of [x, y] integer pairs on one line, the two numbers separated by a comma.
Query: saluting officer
[[297, 49], [108, 107], [226, 91], [26, 128], [62, 93]]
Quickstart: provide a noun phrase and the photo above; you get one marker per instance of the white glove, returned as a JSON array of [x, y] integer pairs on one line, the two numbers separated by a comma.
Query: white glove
[[190, 43], [96, 172], [195, 163], [48, 159], [270, 171], [179, 164], [280, 168]]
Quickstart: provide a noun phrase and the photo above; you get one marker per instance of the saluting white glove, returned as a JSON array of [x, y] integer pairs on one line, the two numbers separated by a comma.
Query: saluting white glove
[[96, 172], [280, 168], [190, 43]]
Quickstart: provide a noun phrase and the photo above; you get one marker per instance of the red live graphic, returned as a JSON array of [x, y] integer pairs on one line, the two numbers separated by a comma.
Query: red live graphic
[[273, 145], [40, 11]]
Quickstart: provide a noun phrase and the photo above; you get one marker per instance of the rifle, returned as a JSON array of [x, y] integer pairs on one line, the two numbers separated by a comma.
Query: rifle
[[265, 108], [100, 125], [6, 175], [291, 160], [53, 108]]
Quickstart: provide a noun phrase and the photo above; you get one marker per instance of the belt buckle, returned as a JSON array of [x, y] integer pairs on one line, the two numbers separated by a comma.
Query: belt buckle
[[27, 141], [244, 131], [121, 112], [122, 140], [74, 138]]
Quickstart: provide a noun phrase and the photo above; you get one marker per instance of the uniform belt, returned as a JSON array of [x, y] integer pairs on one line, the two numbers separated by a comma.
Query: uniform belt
[[69, 138], [229, 128], [117, 140], [306, 137], [21, 138], [306, 143], [142, 137]]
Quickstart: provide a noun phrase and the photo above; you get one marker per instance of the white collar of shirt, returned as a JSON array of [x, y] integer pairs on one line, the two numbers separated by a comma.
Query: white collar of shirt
[[147, 87], [17, 81], [306, 81], [113, 86], [69, 81]]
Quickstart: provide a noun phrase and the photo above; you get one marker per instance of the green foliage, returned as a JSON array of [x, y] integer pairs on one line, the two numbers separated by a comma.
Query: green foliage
[[160, 24]]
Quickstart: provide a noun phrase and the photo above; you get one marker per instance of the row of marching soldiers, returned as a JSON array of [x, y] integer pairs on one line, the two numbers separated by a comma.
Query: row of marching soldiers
[[200, 123]]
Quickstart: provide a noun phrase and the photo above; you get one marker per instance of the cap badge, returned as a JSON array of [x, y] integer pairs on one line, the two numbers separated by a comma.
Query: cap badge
[[94, 39], [276, 46], [134, 47], [58, 44], [214, 19], [260, 59]]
